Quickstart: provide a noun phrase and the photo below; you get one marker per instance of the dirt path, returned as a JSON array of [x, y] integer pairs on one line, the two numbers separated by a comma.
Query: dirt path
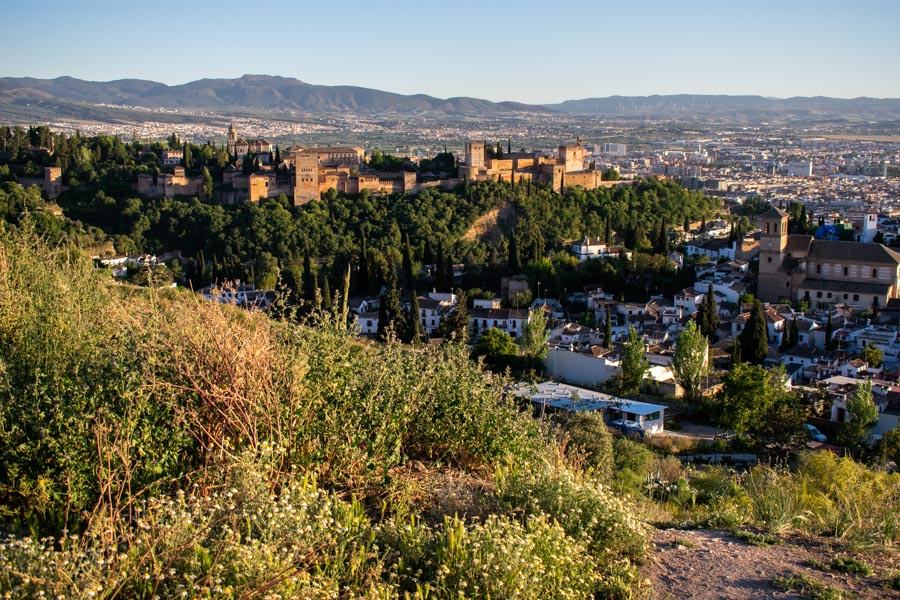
[[710, 564]]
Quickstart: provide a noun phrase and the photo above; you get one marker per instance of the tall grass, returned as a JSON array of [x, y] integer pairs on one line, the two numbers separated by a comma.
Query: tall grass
[[156, 445]]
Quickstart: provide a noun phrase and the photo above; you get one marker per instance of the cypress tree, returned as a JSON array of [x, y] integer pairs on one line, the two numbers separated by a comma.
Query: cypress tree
[[326, 293], [389, 311], [829, 333], [309, 279], [427, 254], [363, 279], [345, 295], [662, 240], [415, 325], [407, 261], [754, 339], [710, 315], [514, 264], [607, 332]]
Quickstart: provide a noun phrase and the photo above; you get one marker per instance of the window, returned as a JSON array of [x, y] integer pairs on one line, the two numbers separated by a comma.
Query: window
[[845, 296], [855, 297], [770, 259], [874, 273], [818, 294], [829, 295], [846, 271], [652, 416], [818, 268], [787, 284]]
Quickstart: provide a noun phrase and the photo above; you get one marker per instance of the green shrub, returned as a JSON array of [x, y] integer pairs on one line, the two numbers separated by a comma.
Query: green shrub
[[589, 433], [756, 539], [809, 587], [774, 498], [851, 565]]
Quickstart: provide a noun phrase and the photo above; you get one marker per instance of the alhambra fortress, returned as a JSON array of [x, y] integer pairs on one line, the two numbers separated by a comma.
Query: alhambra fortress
[[303, 174]]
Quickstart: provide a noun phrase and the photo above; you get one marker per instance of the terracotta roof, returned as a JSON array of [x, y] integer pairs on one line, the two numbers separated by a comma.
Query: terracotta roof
[[798, 243], [773, 213], [853, 252]]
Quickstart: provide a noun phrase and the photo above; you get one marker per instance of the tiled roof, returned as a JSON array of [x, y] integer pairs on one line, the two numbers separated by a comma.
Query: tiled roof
[[773, 213], [853, 252]]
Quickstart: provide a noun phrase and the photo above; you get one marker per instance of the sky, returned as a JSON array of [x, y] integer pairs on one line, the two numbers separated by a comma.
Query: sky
[[526, 51]]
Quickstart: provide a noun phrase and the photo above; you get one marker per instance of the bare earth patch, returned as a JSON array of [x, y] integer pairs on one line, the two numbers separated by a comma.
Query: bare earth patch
[[487, 226], [713, 564]]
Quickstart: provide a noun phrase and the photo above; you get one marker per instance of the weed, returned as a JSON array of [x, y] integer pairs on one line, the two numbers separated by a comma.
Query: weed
[[812, 563], [756, 539], [809, 587], [851, 565], [894, 582], [682, 543]]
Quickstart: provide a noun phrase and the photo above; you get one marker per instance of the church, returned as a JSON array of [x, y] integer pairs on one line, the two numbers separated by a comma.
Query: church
[[823, 272]]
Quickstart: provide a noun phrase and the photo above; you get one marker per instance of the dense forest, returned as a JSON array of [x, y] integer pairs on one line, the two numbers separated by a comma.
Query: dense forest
[[264, 241]]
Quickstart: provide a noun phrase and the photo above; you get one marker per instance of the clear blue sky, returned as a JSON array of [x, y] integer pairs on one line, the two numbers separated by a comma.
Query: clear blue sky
[[528, 51]]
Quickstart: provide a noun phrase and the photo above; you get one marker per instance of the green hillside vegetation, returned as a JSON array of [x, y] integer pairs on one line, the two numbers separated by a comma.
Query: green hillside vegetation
[[261, 241], [158, 445]]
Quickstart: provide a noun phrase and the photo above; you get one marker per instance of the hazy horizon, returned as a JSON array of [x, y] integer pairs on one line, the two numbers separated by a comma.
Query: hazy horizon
[[534, 52]]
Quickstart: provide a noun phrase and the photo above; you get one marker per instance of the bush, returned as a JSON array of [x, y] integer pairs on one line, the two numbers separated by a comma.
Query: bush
[[590, 434]]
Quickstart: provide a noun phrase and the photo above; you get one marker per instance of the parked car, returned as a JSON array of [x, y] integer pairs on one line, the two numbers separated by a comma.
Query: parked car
[[629, 427], [814, 433]]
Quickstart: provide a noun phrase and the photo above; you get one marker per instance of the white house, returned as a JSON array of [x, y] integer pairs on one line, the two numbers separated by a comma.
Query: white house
[[507, 320], [690, 300], [587, 248], [367, 323], [559, 397]]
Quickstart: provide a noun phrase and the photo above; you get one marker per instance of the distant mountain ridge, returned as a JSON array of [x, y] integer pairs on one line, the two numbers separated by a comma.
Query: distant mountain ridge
[[725, 105], [250, 92], [268, 93]]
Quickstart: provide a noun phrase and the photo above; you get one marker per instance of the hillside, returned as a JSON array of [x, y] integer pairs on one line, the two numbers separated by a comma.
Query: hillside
[[158, 445]]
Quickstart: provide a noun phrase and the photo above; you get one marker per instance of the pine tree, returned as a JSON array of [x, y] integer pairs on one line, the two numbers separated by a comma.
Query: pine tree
[[607, 232], [754, 339], [455, 326], [188, 159]]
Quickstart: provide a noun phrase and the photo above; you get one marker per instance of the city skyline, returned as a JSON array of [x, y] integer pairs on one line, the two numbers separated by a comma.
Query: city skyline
[[533, 52]]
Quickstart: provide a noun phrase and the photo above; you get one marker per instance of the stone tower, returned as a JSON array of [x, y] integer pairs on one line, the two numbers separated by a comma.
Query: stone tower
[[306, 185], [232, 140], [475, 154], [774, 283]]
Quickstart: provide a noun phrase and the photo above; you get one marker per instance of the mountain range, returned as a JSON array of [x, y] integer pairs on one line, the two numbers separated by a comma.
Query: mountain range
[[67, 96]]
